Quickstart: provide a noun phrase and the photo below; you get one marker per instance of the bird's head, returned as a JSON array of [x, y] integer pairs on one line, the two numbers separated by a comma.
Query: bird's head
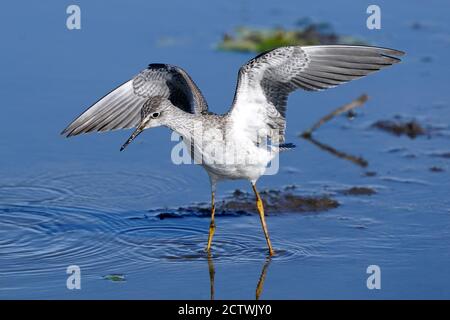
[[156, 111]]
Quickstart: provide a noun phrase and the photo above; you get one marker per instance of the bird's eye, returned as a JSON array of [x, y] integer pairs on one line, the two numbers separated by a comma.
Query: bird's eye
[[155, 115]]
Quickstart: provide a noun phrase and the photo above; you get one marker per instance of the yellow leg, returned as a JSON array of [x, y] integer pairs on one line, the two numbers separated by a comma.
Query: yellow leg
[[260, 207], [212, 225]]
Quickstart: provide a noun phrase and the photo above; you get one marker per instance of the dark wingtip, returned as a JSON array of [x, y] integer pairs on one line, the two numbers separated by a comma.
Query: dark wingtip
[[393, 54], [157, 66], [65, 133], [397, 52], [392, 60]]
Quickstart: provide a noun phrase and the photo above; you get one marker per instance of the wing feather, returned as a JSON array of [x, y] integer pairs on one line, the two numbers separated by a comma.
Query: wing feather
[[265, 82], [120, 109]]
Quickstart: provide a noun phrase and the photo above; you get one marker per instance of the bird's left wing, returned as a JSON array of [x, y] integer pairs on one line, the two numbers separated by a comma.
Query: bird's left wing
[[265, 82], [121, 108]]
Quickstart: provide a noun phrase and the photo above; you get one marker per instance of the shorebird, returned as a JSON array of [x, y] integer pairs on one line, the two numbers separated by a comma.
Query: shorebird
[[241, 143]]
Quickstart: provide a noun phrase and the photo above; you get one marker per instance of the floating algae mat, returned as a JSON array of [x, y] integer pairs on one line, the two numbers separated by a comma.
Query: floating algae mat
[[114, 277], [241, 203], [397, 127], [247, 39], [276, 201]]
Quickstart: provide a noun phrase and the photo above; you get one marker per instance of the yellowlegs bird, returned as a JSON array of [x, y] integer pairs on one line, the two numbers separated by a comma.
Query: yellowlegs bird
[[241, 143]]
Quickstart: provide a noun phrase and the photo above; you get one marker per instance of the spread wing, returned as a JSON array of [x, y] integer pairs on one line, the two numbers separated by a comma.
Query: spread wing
[[265, 82], [120, 109]]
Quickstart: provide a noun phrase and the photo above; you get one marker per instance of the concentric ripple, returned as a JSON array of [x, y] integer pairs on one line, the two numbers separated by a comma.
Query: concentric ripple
[[95, 189], [31, 194], [43, 228], [113, 185], [156, 242], [37, 239]]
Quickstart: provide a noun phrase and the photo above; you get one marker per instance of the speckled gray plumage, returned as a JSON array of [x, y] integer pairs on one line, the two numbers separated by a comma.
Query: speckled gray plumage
[[263, 86], [121, 108], [267, 80]]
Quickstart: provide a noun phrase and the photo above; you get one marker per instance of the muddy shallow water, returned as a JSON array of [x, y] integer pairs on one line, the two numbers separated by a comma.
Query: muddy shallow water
[[115, 215]]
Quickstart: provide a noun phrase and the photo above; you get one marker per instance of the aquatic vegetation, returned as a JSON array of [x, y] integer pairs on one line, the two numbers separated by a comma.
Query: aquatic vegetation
[[243, 203], [412, 127], [358, 191], [440, 154], [249, 39], [277, 201], [399, 127], [346, 108], [370, 174], [114, 277]]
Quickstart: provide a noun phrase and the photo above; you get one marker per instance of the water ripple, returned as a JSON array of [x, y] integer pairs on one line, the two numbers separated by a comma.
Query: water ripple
[[36, 239], [32, 194], [95, 188], [115, 185], [178, 243]]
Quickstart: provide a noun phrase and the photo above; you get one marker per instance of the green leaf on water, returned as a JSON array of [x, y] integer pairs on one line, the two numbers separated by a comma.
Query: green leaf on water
[[115, 277], [248, 39]]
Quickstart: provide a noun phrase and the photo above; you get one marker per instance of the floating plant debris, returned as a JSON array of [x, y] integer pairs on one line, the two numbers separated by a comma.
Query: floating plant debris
[[307, 134], [277, 201], [247, 39], [358, 191], [243, 203], [348, 107], [114, 277], [369, 174], [398, 127], [441, 154]]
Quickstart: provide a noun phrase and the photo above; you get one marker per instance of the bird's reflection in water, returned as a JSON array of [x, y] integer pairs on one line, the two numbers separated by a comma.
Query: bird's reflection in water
[[212, 274], [262, 277], [259, 286]]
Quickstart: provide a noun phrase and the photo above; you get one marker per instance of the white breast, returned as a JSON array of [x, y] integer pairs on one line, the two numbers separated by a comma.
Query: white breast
[[235, 157]]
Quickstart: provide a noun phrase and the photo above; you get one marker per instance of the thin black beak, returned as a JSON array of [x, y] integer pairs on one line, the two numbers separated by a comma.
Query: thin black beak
[[134, 134]]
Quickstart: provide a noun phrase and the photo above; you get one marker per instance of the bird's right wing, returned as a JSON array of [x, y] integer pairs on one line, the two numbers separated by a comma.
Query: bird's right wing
[[121, 108], [265, 82]]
